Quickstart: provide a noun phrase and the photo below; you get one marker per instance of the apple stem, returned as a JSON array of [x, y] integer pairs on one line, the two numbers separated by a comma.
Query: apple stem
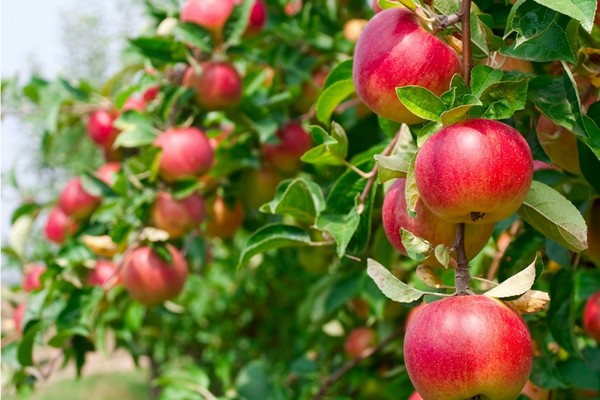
[[461, 273], [465, 15]]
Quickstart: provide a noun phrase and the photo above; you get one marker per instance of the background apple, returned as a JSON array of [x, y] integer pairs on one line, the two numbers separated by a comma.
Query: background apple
[[186, 153], [593, 233], [475, 171], [59, 226], [218, 86], [353, 28], [101, 129], [209, 14], [134, 103], [150, 279], [426, 225], [358, 340], [415, 396], [258, 18], [223, 219], [177, 217], [591, 316], [258, 186], [103, 272], [18, 316], [394, 50], [75, 201], [31, 279], [284, 156], [559, 144], [462, 347], [107, 172]]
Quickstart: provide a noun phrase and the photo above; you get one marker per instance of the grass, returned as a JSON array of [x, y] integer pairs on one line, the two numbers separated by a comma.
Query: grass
[[117, 386]]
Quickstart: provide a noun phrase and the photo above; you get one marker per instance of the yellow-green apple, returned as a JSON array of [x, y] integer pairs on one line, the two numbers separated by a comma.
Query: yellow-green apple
[[476, 171], [258, 186], [186, 153], [150, 279], [59, 226], [103, 272], [101, 127], [591, 316], [222, 218], [468, 347], [31, 279], [559, 144], [209, 14], [395, 51], [294, 141], [218, 85], [426, 225], [353, 28], [75, 201], [19, 316], [593, 233], [177, 217], [358, 340], [107, 173]]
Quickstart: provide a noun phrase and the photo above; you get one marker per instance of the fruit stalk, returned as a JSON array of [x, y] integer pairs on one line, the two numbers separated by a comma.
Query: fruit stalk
[[461, 273]]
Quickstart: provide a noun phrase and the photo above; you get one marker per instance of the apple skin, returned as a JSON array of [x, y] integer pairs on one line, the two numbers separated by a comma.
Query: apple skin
[[559, 144], [151, 280], [31, 280], [593, 233], [466, 346], [427, 225], [18, 316], [59, 226], [476, 171], [75, 201], [100, 128], [107, 172], [395, 51], [218, 86], [591, 316], [177, 217], [102, 272], [284, 156], [186, 153], [222, 219], [415, 396], [209, 14], [358, 340], [258, 187], [258, 18]]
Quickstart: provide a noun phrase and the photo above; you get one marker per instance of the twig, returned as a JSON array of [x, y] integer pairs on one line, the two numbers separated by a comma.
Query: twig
[[461, 273], [503, 243], [368, 352]]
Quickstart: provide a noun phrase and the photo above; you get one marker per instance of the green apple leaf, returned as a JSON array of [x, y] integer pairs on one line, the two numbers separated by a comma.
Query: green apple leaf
[[561, 313], [457, 113], [25, 351], [385, 4], [195, 35], [329, 149], [442, 254], [411, 192], [421, 102], [428, 275], [160, 49], [556, 217], [298, 198], [391, 286], [185, 188], [271, 237], [417, 248], [331, 97], [389, 127], [237, 23], [518, 284], [137, 130], [391, 167], [341, 72], [340, 226], [482, 77], [502, 99], [581, 10]]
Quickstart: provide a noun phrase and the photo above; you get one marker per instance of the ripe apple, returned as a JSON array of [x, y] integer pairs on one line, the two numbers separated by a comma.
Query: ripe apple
[[75, 201], [59, 226], [209, 14], [223, 219], [258, 186], [294, 141], [218, 86], [177, 217], [31, 279], [107, 172], [18, 316], [150, 93], [358, 340], [134, 103], [468, 347], [104, 271], [591, 316], [353, 28], [258, 18], [427, 225], [186, 153], [393, 51], [534, 392], [559, 144], [476, 171], [101, 128], [415, 396], [150, 279], [593, 223]]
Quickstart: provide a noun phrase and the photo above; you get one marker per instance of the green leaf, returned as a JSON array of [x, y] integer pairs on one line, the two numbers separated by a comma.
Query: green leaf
[[502, 99], [581, 10], [298, 198], [341, 72], [137, 130], [185, 188], [411, 192], [237, 23], [341, 226], [561, 316], [517, 284], [252, 382], [25, 352], [418, 249], [271, 237], [421, 102], [331, 97], [329, 149], [160, 49], [556, 217], [391, 167], [442, 254], [195, 35], [391, 286], [482, 77]]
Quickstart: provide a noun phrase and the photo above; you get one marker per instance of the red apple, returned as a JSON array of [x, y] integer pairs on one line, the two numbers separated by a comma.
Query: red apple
[[151, 93], [394, 51], [186, 153], [103, 272], [101, 129], [426, 225], [415, 396], [218, 86], [559, 144], [107, 172], [150, 279], [19, 316], [223, 219], [258, 187], [358, 340], [593, 233], [177, 217], [31, 280], [477, 171], [75, 201], [468, 347], [294, 141], [59, 226], [134, 103], [591, 316], [209, 14], [258, 18]]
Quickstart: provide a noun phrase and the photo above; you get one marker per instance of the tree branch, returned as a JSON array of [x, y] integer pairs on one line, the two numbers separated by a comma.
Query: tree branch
[[461, 273]]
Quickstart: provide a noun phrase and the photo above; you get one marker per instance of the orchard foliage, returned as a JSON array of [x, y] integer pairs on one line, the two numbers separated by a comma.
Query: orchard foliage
[[234, 177]]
